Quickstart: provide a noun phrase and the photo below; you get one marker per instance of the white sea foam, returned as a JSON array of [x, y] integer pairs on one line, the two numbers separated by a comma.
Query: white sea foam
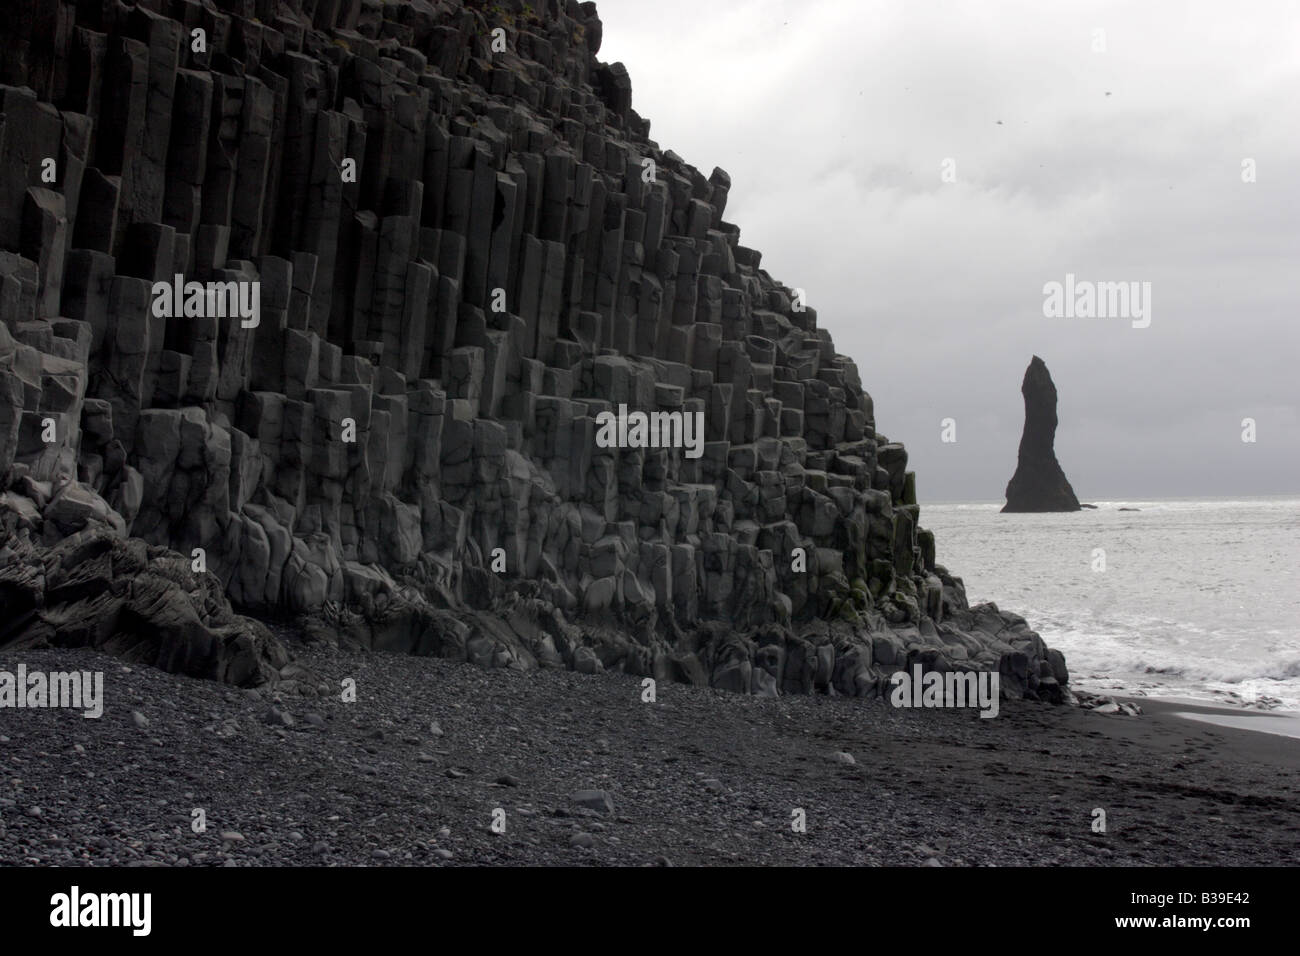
[[1200, 598]]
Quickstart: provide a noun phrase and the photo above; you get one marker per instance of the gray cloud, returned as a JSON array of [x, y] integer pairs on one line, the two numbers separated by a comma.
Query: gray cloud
[[834, 118]]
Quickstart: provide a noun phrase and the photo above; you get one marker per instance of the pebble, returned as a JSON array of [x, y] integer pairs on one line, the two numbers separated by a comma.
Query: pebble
[[598, 800], [278, 718], [584, 840], [443, 854], [139, 719], [506, 780], [232, 836], [712, 783], [846, 758]]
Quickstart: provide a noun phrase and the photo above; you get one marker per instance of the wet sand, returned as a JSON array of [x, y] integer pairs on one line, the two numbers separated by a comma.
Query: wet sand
[[1265, 722]]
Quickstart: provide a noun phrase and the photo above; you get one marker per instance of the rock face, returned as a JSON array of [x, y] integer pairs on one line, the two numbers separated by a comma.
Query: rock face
[[467, 249], [124, 597], [1039, 484]]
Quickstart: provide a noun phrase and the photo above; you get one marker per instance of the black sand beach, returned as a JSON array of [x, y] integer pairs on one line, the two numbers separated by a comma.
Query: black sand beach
[[701, 777]]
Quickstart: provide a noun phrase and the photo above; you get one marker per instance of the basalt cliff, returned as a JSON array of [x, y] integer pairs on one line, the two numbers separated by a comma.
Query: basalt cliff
[[466, 248]]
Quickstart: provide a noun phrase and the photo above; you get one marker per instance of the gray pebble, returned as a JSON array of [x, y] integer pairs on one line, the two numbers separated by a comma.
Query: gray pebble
[[593, 800]]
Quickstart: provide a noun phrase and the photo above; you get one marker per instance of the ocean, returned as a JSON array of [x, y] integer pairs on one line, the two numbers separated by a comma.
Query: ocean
[[1187, 598]]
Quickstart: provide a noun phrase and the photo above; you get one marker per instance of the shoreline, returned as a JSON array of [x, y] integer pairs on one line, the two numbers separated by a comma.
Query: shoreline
[[1272, 723], [1202, 637], [1230, 702]]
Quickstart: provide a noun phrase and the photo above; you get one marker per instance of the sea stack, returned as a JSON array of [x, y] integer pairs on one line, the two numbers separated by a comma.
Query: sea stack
[[1039, 484]]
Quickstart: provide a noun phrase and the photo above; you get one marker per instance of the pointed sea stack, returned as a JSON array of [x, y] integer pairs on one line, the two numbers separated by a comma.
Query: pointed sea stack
[[1039, 484]]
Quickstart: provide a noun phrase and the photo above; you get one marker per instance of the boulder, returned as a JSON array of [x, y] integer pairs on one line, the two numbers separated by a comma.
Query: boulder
[[144, 604]]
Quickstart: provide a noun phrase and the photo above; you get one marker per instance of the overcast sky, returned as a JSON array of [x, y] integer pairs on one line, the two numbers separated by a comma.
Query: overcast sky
[[834, 119]]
